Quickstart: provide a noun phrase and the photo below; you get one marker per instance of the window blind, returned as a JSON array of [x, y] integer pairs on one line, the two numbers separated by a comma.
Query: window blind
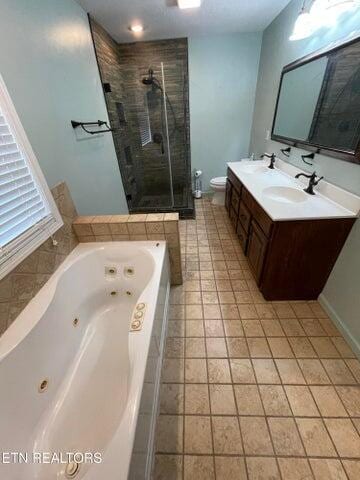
[[21, 203], [28, 213], [144, 123]]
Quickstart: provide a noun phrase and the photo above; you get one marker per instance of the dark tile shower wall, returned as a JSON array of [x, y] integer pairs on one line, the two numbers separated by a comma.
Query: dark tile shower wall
[[110, 71], [136, 59], [145, 170]]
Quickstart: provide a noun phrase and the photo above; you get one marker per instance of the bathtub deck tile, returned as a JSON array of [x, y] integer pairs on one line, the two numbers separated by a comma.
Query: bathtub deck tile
[[136, 227]]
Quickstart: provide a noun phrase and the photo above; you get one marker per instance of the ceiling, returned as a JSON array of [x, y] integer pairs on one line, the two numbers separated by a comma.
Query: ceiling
[[163, 19]]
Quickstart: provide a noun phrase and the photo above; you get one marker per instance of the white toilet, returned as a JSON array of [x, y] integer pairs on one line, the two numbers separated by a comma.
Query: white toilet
[[218, 184]]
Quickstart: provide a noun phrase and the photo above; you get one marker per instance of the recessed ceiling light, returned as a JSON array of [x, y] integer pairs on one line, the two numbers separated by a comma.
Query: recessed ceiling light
[[137, 28], [189, 3]]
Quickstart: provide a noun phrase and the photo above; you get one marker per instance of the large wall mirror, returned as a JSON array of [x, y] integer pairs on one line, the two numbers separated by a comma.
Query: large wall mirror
[[318, 104]]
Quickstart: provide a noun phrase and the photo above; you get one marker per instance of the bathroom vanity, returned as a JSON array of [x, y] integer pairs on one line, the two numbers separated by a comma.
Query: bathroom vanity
[[291, 239]]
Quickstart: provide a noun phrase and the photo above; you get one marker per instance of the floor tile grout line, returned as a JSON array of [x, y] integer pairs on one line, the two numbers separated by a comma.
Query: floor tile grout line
[[297, 427], [261, 383], [251, 455], [301, 417], [210, 409], [266, 420], [183, 418], [217, 244], [237, 410]]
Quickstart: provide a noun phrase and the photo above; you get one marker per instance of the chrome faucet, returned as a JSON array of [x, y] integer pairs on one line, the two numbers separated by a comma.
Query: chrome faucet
[[272, 159], [312, 182]]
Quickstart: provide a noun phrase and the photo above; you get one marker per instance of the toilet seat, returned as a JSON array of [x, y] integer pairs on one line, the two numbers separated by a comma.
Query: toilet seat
[[218, 181]]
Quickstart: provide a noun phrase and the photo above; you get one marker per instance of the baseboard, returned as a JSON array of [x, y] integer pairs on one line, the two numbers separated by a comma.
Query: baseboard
[[355, 344]]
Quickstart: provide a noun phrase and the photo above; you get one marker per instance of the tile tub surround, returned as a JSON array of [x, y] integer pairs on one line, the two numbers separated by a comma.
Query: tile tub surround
[[250, 389], [23, 283], [152, 226]]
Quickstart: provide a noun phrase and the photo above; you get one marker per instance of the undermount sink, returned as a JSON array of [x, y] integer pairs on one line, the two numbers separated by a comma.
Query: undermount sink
[[285, 194], [253, 169]]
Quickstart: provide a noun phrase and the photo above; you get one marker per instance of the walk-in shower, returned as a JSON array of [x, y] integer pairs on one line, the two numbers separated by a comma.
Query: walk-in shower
[[147, 96], [157, 105]]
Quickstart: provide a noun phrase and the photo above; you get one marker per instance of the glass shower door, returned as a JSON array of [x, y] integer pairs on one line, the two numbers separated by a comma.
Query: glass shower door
[[148, 123], [178, 121]]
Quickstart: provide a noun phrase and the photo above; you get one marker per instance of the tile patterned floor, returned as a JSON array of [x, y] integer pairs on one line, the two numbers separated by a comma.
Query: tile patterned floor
[[251, 389]]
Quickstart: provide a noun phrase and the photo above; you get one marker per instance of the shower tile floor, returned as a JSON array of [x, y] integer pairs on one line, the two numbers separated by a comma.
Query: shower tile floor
[[161, 201], [251, 389]]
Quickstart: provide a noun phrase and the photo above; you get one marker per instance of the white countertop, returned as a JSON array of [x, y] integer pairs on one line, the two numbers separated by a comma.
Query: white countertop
[[337, 203]]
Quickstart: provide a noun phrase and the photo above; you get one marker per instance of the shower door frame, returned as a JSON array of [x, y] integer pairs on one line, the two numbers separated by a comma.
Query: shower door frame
[[167, 136]]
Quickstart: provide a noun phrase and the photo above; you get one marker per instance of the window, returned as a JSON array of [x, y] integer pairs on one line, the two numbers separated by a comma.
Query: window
[[28, 213]]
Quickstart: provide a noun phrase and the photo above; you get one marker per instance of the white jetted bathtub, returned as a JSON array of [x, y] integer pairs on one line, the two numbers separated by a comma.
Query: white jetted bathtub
[[74, 378]]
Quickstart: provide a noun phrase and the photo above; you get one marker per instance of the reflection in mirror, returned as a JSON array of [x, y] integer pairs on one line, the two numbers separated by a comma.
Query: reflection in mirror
[[296, 112], [319, 103]]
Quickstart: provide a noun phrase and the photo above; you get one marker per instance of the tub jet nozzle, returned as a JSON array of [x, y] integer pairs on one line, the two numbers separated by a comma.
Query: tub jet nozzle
[[72, 469]]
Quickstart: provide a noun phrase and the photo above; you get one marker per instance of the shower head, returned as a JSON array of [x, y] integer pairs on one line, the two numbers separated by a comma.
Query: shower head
[[149, 80]]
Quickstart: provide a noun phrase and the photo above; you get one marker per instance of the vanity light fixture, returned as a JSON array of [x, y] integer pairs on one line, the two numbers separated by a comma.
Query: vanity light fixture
[[184, 4], [137, 28], [335, 6], [320, 13], [341, 6], [326, 12], [304, 25]]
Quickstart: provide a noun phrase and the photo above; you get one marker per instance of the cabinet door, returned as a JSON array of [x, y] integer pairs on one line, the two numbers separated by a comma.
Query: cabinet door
[[256, 249], [228, 195], [233, 217], [244, 217], [235, 200], [242, 236]]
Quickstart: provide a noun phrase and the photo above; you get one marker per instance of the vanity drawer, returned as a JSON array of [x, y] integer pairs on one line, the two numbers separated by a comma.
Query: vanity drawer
[[235, 200], [234, 181], [244, 216], [262, 218], [243, 236]]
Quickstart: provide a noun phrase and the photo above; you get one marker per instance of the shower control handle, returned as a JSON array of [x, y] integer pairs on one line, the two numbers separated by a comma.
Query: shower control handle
[[158, 139]]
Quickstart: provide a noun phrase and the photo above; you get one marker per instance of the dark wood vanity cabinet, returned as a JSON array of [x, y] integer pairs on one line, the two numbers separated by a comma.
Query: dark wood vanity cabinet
[[232, 198], [290, 260]]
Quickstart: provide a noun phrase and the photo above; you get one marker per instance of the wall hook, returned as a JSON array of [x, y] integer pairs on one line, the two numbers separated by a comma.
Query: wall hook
[[99, 123], [286, 151], [310, 155]]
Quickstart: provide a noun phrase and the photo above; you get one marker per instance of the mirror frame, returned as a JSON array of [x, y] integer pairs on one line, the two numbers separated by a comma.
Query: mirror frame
[[342, 154]]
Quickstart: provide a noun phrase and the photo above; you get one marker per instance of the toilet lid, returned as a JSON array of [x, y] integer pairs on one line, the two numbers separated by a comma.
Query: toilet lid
[[218, 181]]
